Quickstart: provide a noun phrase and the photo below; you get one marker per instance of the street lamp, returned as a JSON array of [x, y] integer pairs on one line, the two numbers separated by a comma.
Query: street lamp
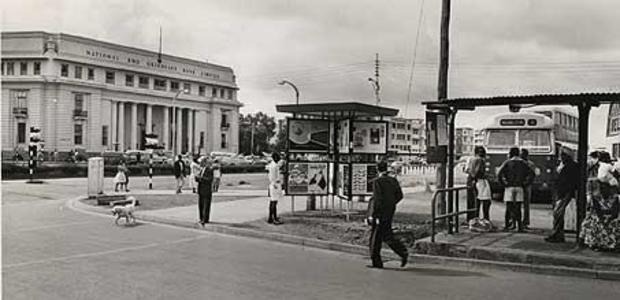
[[174, 122], [376, 87], [283, 82]]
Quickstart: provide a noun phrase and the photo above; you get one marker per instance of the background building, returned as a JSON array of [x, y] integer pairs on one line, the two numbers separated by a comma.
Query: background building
[[407, 139], [478, 137], [464, 141], [96, 96], [613, 130]]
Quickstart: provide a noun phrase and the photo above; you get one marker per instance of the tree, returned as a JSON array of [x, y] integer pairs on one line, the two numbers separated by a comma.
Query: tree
[[280, 144], [263, 127]]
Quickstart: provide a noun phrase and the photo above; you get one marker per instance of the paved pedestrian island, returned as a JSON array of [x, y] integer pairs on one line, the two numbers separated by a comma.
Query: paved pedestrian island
[[522, 248]]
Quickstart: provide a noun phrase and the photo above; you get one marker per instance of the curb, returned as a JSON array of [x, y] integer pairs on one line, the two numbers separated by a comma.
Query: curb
[[363, 251]]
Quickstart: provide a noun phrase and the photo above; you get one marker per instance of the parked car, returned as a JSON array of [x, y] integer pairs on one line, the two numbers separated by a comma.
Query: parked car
[[133, 157]]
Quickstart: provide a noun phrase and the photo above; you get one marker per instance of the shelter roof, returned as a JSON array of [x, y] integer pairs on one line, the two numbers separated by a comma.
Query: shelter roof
[[593, 99], [335, 110]]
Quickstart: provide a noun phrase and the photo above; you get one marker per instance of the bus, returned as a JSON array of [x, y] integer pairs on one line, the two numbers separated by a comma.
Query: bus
[[537, 133]]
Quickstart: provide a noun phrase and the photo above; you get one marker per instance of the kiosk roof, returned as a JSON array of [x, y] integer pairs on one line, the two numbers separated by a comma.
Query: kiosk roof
[[338, 110]]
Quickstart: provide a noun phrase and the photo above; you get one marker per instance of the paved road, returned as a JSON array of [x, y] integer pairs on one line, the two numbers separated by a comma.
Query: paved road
[[51, 252]]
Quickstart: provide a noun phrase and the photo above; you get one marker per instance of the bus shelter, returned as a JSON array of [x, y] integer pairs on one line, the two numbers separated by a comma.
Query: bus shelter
[[332, 148], [441, 114]]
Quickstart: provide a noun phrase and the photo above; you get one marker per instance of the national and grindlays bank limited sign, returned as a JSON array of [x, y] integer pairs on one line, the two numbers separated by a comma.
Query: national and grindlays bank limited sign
[[148, 63]]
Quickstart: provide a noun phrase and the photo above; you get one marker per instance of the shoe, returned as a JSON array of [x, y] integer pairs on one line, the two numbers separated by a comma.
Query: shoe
[[277, 222], [374, 266], [403, 261], [270, 221], [194, 191]]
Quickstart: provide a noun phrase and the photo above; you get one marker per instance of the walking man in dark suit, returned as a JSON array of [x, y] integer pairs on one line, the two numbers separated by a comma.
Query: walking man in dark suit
[[386, 194], [179, 173], [205, 190]]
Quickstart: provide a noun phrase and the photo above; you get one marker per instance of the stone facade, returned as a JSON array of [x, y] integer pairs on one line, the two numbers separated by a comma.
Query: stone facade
[[95, 96]]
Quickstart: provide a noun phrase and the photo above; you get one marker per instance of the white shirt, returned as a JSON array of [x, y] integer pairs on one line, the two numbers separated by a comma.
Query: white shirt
[[274, 172], [605, 173]]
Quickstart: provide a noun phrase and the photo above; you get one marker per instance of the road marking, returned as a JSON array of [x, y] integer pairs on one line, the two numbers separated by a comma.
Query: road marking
[[50, 226], [101, 253]]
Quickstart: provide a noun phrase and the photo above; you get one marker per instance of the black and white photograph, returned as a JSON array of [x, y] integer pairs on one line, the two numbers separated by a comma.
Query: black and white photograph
[[326, 149]]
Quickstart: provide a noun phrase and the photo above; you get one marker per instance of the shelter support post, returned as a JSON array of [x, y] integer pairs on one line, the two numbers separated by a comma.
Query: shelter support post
[[584, 117], [450, 166]]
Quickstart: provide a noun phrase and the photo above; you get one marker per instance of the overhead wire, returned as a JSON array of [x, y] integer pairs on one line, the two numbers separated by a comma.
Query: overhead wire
[[415, 52]]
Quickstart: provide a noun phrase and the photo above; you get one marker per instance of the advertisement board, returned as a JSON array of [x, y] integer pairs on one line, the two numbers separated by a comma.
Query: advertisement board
[[343, 136], [307, 178], [369, 137], [308, 135], [361, 179], [436, 137]]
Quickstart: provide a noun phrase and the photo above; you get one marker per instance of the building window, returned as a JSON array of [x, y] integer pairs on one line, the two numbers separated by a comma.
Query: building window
[[224, 144], [79, 101], [229, 96], [143, 82], [615, 150], [64, 70], [21, 133], [2, 68], [129, 80], [222, 93], [174, 86], [160, 84], [37, 68], [202, 140], [10, 68], [23, 68], [78, 72], [91, 74], [77, 134], [201, 90], [104, 135], [187, 88], [214, 92], [224, 121], [109, 77]]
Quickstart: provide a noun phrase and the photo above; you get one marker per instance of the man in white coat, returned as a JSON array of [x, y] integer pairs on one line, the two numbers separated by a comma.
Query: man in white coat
[[275, 188]]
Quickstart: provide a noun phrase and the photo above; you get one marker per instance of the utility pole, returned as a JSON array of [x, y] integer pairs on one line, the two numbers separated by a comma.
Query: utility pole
[[442, 86]]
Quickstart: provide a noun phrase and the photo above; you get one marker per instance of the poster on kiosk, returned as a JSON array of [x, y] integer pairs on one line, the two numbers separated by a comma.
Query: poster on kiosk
[[369, 137]]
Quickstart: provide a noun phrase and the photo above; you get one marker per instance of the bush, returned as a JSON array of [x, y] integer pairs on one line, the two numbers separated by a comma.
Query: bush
[[63, 170]]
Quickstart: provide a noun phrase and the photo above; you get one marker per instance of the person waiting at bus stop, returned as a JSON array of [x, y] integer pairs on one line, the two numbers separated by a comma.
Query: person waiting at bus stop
[[568, 180], [527, 190], [381, 207], [478, 183], [514, 174]]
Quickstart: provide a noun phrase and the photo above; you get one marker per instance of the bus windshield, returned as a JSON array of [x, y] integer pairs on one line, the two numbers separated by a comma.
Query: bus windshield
[[501, 138], [536, 140]]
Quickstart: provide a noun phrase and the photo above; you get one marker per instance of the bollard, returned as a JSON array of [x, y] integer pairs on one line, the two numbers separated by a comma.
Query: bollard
[[151, 171]]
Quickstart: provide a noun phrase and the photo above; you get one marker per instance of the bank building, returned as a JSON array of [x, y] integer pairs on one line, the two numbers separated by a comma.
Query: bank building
[[94, 96]]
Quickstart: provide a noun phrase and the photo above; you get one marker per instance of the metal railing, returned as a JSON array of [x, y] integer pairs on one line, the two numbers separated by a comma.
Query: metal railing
[[20, 112], [78, 113], [452, 207]]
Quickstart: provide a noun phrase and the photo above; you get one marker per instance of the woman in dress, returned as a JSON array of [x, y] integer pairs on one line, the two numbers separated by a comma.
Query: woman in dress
[[120, 179], [601, 228]]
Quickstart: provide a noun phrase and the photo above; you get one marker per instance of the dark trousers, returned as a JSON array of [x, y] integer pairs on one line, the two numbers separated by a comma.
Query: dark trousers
[[273, 211], [382, 232], [527, 199], [486, 207], [471, 199], [559, 208], [204, 205], [513, 215]]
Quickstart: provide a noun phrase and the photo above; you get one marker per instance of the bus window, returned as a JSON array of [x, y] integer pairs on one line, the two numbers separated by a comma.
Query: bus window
[[501, 138], [538, 140]]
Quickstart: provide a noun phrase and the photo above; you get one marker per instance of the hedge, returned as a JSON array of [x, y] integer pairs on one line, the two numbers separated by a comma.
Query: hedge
[[20, 171]]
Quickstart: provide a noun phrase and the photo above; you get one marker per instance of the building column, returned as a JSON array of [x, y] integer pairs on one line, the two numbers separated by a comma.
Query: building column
[[190, 130], [149, 119], [121, 126], [113, 127], [134, 126], [166, 137], [178, 132]]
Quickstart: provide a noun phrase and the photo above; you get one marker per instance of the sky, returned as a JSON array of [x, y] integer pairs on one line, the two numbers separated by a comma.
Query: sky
[[327, 47]]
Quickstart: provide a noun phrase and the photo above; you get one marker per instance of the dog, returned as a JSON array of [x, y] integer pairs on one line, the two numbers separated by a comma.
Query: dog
[[125, 211]]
